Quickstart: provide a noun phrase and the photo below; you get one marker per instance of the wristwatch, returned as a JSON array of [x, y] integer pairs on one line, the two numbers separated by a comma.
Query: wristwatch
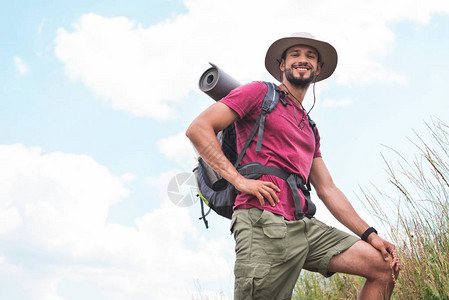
[[367, 233]]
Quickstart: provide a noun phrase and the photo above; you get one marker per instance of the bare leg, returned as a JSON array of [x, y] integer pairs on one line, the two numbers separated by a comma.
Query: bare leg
[[364, 260]]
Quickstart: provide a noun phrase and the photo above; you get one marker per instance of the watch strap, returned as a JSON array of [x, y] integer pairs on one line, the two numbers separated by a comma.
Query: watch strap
[[367, 233]]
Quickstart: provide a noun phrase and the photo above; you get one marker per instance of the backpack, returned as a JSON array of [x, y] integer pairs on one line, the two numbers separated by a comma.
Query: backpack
[[218, 194]]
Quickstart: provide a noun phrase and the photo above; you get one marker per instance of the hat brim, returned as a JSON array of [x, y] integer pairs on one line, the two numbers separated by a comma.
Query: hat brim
[[328, 55]]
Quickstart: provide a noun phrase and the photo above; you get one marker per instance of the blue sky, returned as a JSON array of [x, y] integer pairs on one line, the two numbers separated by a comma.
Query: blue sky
[[95, 97]]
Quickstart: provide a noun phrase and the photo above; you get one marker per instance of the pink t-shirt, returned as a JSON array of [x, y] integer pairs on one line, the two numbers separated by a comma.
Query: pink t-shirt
[[284, 145]]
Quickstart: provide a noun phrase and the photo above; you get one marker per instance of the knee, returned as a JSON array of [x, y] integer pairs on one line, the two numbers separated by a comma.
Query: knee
[[383, 273]]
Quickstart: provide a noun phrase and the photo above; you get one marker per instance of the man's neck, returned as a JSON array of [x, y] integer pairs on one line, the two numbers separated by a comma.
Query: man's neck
[[297, 93]]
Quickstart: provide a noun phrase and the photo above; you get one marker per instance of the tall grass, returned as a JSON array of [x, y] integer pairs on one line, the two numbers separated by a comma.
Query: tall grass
[[415, 211]]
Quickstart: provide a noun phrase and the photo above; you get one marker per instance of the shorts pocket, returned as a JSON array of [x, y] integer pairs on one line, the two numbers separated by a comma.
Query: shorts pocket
[[251, 280], [233, 220], [269, 235], [275, 238]]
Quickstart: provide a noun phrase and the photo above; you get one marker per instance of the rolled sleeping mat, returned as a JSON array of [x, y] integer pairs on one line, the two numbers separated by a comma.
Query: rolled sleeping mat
[[216, 83]]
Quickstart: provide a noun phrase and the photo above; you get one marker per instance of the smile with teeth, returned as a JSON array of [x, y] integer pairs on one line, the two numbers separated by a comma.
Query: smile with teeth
[[302, 69]]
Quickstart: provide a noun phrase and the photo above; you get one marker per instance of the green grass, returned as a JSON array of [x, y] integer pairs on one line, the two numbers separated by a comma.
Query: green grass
[[315, 286], [415, 211]]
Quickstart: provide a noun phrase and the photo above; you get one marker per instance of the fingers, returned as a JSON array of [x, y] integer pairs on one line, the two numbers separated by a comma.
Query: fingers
[[385, 254], [263, 190], [270, 194], [394, 254], [388, 251], [267, 191], [386, 248], [381, 245], [396, 265], [395, 262], [261, 199], [383, 250]]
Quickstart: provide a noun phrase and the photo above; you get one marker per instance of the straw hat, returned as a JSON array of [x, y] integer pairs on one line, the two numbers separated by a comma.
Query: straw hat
[[327, 54]]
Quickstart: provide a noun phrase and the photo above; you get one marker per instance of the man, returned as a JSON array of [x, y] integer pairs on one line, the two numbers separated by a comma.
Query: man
[[273, 241]]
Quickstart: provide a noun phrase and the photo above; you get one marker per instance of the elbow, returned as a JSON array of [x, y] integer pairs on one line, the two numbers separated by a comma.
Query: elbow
[[190, 132], [325, 192], [196, 130], [321, 194]]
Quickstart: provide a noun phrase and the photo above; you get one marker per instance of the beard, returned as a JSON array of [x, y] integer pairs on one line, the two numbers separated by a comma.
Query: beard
[[299, 82]]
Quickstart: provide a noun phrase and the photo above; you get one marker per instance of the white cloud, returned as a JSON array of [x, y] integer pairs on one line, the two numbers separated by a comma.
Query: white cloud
[[335, 103], [21, 66], [128, 177], [60, 203], [178, 148], [9, 219], [55, 191], [144, 70]]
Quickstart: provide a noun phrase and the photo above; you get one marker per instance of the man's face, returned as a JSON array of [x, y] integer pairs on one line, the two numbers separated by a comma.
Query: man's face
[[300, 65]]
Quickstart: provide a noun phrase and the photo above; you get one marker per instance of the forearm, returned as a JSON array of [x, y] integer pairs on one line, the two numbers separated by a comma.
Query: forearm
[[343, 211], [205, 141], [202, 133], [339, 206]]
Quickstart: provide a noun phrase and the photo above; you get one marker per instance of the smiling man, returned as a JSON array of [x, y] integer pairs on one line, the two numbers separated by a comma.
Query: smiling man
[[305, 73], [273, 225]]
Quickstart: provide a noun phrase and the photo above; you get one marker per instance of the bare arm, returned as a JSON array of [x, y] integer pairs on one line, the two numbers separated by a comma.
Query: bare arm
[[202, 133], [334, 199], [342, 210]]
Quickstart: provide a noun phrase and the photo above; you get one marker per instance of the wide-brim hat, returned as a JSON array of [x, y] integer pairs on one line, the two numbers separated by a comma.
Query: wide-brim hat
[[327, 54]]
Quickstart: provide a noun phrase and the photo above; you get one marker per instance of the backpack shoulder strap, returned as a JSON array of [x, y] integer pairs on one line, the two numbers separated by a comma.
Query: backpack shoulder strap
[[271, 97], [312, 207], [269, 102], [313, 126]]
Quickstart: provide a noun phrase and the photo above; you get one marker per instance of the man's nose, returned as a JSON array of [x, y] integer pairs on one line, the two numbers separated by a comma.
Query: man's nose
[[302, 59]]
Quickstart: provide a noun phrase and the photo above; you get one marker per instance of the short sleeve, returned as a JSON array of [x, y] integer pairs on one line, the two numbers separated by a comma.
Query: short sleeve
[[246, 98], [317, 144]]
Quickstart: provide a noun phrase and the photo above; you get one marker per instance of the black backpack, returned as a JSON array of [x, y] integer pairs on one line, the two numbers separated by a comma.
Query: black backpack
[[217, 193]]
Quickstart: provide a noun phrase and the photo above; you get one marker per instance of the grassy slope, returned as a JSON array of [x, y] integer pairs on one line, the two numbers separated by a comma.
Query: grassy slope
[[419, 226]]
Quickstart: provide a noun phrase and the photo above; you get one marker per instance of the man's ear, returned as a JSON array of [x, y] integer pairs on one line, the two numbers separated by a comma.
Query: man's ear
[[318, 68], [282, 65]]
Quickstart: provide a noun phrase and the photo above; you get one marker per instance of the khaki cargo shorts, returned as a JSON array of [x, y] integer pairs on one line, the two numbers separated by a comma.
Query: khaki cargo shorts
[[271, 251]]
